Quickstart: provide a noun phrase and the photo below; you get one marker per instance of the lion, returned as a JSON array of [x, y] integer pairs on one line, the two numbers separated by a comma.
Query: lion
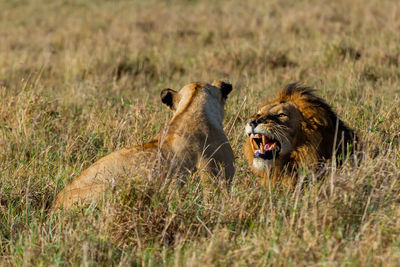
[[193, 139], [298, 128]]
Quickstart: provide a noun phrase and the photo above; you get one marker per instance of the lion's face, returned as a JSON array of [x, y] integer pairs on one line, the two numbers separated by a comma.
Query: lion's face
[[297, 128], [272, 133]]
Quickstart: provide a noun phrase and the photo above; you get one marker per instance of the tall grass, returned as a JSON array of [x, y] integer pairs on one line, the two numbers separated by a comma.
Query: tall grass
[[80, 79]]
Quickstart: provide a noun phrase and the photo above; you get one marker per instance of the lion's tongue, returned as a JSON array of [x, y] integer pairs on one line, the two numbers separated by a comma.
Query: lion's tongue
[[269, 146]]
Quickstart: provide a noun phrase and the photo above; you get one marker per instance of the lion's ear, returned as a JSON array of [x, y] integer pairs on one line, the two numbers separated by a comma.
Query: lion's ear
[[226, 88], [169, 97]]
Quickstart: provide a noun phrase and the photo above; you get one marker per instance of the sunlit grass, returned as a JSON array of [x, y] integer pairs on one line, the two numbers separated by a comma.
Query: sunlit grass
[[80, 79]]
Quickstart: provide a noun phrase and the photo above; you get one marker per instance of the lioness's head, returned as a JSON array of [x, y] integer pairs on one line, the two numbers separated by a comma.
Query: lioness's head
[[195, 130], [297, 126], [210, 98]]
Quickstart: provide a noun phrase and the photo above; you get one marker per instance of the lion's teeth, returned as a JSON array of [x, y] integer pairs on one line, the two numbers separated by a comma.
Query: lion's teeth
[[252, 144], [255, 146], [264, 139], [255, 143]]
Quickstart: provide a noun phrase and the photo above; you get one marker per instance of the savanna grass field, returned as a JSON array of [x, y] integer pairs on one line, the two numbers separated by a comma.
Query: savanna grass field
[[80, 79]]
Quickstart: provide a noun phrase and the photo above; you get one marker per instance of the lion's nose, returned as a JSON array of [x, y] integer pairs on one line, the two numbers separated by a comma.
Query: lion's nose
[[253, 124]]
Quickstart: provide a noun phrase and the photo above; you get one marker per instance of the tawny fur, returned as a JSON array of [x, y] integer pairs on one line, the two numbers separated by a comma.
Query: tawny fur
[[310, 129], [192, 140]]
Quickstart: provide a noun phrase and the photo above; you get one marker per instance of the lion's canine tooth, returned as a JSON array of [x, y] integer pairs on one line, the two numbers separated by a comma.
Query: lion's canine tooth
[[253, 144], [262, 148], [264, 140]]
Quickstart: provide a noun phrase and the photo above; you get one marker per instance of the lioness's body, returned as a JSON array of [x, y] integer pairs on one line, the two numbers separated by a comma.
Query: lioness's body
[[194, 138], [297, 128]]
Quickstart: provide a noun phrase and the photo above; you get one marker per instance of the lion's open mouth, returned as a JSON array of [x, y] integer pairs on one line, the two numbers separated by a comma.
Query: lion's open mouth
[[264, 147]]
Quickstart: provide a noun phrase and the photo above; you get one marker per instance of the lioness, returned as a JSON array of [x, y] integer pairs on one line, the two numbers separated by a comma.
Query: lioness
[[296, 128], [194, 138]]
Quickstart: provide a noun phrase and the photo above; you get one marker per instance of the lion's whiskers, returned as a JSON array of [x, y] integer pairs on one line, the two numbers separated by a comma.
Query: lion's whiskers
[[279, 132]]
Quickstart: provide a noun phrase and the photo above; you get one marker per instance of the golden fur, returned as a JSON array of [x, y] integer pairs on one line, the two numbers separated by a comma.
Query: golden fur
[[297, 128], [193, 139]]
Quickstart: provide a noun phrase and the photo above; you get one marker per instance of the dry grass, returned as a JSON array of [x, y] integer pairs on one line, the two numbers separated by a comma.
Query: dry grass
[[79, 79]]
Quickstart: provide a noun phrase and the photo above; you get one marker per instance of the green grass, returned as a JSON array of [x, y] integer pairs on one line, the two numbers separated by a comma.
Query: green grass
[[80, 79]]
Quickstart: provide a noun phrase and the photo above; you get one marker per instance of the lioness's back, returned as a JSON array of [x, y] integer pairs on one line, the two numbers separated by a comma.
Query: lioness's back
[[106, 171], [177, 151]]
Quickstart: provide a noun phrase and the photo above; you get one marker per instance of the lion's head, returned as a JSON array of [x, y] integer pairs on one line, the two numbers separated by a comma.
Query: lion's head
[[297, 127], [196, 91]]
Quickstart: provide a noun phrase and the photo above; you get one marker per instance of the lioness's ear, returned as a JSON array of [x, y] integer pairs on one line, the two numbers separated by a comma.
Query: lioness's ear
[[226, 88], [168, 97]]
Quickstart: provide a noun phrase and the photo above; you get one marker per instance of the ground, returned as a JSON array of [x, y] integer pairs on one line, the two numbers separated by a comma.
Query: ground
[[80, 79]]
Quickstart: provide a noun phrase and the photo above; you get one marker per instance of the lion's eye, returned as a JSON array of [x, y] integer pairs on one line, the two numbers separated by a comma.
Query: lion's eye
[[280, 115]]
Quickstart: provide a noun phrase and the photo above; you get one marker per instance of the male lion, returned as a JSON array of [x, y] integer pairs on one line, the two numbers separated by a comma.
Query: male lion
[[296, 128], [194, 138]]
